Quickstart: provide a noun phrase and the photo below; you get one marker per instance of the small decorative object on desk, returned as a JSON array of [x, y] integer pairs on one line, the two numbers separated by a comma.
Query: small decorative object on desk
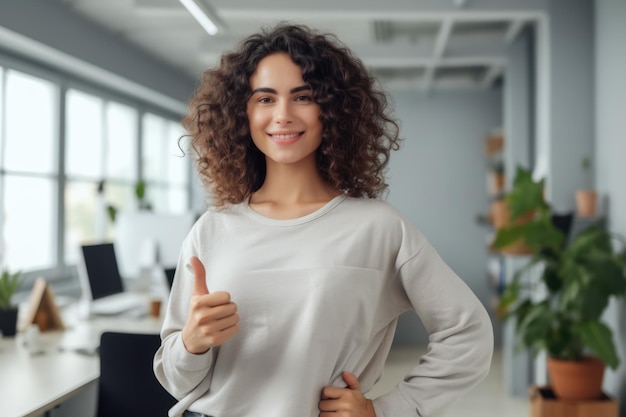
[[9, 284], [42, 308]]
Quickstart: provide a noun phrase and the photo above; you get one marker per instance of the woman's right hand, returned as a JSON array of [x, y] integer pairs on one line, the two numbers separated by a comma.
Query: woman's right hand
[[212, 318]]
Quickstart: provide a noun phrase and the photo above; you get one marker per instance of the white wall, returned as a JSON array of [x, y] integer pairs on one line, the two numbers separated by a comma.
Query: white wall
[[610, 150], [438, 180]]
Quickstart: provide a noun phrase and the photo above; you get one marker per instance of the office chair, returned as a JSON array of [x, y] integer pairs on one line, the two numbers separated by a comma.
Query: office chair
[[127, 386]]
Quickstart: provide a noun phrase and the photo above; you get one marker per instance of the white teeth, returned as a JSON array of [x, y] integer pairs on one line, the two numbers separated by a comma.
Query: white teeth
[[289, 136]]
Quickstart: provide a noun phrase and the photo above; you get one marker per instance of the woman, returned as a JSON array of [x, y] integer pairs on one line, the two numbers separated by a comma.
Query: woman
[[289, 287]]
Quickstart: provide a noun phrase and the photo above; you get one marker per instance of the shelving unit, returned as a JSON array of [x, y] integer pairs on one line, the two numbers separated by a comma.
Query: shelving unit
[[494, 152], [518, 365], [495, 183]]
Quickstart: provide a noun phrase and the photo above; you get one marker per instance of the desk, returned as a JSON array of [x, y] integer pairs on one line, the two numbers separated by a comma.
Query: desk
[[31, 384]]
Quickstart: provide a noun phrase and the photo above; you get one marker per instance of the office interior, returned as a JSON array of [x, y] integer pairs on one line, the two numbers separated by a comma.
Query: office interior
[[558, 97]]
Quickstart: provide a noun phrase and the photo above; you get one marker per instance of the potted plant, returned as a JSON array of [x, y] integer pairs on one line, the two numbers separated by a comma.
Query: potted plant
[[579, 278], [140, 194], [586, 199], [9, 284], [504, 216]]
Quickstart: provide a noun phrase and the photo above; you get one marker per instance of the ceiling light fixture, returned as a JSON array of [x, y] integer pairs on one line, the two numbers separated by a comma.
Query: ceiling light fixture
[[202, 15]]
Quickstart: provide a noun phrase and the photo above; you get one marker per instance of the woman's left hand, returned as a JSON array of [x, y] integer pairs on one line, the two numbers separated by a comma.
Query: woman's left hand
[[346, 402]]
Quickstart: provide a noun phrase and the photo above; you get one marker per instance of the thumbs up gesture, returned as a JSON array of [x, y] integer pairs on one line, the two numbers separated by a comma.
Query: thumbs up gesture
[[346, 402], [212, 318]]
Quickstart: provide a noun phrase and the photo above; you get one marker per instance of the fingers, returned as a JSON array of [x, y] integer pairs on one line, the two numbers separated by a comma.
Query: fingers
[[199, 274], [212, 318], [206, 312], [221, 330], [348, 401], [331, 405], [331, 393], [213, 299], [351, 381]]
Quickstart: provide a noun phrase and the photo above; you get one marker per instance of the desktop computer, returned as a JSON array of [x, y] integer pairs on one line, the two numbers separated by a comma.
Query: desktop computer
[[102, 287]]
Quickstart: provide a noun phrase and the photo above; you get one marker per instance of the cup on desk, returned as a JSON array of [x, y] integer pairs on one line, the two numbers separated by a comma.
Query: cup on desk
[[155, 307]]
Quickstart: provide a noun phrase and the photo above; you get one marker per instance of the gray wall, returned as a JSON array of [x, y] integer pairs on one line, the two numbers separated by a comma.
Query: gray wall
[[571, 98], [518, 104], [438, 180], [610, 152]]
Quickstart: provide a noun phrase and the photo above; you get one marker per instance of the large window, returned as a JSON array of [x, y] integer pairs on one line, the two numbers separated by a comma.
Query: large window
[[165, 164], [69, 158], [29, 165], [101, 143]]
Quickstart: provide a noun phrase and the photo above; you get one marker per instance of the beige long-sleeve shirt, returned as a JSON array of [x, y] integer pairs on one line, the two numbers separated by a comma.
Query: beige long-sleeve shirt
[[318, 295]]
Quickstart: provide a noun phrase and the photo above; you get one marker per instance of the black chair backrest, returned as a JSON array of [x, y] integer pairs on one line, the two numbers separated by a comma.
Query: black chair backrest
[[170, 273], [127, 386]]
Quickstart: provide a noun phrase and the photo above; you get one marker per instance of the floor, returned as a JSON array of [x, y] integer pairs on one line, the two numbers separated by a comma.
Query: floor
[[487, 399]]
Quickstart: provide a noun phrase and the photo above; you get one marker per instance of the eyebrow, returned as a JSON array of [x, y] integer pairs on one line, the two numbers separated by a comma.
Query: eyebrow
[[273, 91]]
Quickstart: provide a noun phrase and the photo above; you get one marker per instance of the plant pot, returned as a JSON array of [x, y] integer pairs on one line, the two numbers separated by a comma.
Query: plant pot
[[8, 321], [576, 380], [586, 202]]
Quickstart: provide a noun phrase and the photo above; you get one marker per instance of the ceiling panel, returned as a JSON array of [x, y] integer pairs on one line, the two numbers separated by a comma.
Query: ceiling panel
[[441, 46]]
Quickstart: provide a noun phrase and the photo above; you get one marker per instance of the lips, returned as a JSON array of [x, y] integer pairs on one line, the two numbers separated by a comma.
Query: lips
[[285, 137]]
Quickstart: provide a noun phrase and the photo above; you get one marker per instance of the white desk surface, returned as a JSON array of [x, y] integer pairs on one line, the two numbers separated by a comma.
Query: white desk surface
[[32, 383]]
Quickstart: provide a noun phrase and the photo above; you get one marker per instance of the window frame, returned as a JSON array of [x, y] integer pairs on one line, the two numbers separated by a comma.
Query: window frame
[[62, 276]]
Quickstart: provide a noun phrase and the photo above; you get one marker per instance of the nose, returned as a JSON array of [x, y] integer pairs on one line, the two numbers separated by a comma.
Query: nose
[[282, 112]]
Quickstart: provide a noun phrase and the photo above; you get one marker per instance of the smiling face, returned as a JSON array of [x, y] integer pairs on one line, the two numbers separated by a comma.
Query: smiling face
[[284, 120]]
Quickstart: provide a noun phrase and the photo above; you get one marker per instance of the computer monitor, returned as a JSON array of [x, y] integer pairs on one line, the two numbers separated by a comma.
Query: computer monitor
[[100, 276], [144, 239], [103, 290]]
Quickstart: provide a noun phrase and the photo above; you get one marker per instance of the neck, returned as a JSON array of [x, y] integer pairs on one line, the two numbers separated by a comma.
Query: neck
[[291, 191], [287, 184]]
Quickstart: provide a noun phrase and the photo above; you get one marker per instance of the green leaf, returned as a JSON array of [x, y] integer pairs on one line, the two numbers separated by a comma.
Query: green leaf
[[140, 190], [570, 294], [593, 302], [599, 339], [9, 283], [526, 195], [535, 324], [112, 212], [509, 296], [608, 274], [506, 236], [552, 279], [562, 340], [594, 238], [541, 234]]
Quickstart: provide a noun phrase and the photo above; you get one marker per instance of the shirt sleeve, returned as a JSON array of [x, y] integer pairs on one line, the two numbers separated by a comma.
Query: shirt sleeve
[[179, 371], [460, 335]]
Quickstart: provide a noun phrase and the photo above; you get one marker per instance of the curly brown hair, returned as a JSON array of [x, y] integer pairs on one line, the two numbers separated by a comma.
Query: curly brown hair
[[358, 134]]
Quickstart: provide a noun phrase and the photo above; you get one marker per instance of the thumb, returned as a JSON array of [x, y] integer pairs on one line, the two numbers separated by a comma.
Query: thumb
[[199, 274], [351, 380]]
